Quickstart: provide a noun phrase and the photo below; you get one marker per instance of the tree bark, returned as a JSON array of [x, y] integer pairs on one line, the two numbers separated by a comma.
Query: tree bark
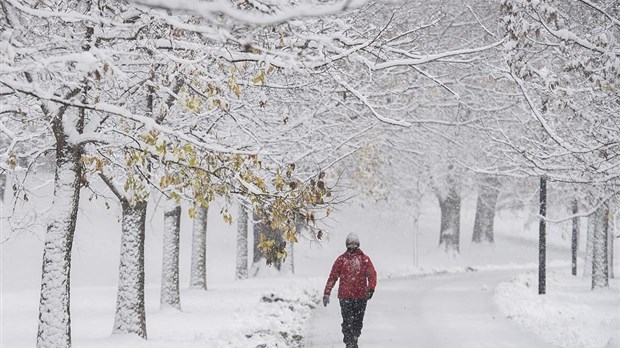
[[257, 228], [289, 263], [170, 296], [130, 317], [575, 237], [449, 235], [610, 245], [600, 260], [3, 181], [198, 275], [54, 328], [587, 263], [542, 239], [485, 211], [242, 243]]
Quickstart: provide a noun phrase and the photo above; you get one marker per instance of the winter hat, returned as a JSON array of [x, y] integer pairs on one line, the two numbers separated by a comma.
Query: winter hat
[[352, 238]]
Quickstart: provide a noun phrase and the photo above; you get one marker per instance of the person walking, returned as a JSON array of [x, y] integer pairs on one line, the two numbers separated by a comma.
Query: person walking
[[358, 280]]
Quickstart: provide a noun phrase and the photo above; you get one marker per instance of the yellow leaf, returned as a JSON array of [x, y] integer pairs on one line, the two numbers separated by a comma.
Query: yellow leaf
[[260, 78], [176, 197]]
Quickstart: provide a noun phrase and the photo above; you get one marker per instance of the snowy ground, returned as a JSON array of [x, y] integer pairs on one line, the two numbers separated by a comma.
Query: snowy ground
[[570, 315], [242, 314], [233, 313]]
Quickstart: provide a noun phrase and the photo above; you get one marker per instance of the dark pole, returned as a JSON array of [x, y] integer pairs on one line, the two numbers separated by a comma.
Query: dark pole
[[542, 238], [575, 236]]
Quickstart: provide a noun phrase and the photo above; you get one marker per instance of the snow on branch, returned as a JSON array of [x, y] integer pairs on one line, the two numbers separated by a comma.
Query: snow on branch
[[567, 35], [542, 120], [150, 123], [587, 213], [224, 7], [433, 57], [603, 12], [364, 101], [69, 16]]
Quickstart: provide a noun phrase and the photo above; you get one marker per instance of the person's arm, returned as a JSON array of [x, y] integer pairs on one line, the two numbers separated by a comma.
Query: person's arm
[[333, 278], [371, 274]]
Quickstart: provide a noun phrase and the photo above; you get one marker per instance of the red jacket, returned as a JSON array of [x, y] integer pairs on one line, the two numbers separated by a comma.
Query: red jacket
[[356, 274]]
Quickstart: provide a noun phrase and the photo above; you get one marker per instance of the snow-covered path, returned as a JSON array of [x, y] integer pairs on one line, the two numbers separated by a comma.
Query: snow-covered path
[[451, 310]]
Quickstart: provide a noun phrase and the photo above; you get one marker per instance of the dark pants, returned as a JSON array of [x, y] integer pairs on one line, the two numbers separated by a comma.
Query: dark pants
[[352, 310]]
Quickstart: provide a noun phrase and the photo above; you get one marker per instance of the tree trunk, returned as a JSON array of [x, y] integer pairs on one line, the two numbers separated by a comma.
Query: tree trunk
[[587, 263], [2, 186], [130, 315], [485, 211], [54, 328], [256, 230], [289, 263], [600, 260], [4, 143], [449, 235], [610, 244], [416, 240], [198, 276], [242, 243], [542, 239], [170, 271], [575, 237]]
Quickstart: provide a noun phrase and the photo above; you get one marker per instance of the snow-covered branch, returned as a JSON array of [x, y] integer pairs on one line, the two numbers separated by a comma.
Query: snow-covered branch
[[223, 7]]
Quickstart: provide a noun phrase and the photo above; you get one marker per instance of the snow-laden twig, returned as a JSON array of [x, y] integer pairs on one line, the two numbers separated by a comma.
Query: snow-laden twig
[[120, 111], [216, 8], [434, 57], [605, 13], [70, 16], [364, 101], [542, 120]]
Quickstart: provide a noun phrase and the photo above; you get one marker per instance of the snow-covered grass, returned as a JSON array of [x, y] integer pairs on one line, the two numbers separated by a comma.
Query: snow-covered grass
[[570, 315], [250, 313]]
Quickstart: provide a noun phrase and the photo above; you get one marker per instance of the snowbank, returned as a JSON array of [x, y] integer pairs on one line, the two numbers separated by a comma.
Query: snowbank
[[278, 320], [570, 315]]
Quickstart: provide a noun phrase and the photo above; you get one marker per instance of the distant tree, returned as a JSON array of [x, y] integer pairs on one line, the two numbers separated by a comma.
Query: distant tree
[[450, 206], [489, 189]]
